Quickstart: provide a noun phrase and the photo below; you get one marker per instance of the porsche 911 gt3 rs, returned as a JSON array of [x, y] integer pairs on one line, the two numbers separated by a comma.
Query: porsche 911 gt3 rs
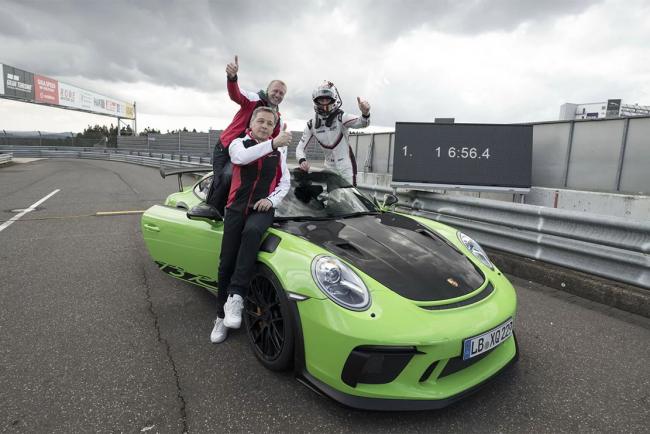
[[374, 308]]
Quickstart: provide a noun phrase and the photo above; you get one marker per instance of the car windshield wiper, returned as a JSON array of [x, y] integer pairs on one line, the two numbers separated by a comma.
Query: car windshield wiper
[[357, 214], [304, 218]]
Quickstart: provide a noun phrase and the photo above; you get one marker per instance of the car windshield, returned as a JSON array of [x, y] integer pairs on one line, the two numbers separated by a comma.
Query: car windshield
[[314, 195], [322, 195]]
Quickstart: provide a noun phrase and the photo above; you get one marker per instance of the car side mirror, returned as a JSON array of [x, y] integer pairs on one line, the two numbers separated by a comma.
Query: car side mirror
[[389, 200], [204, 212]]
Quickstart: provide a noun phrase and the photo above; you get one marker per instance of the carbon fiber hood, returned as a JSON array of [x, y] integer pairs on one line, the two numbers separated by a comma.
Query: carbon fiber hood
[[397, 251]]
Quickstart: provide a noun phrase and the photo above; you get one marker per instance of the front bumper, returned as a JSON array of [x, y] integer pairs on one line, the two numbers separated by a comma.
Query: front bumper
[[402, 357], [387, 404]]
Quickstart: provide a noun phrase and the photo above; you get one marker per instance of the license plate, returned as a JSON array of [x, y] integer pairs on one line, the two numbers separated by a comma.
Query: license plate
[[472, 347]]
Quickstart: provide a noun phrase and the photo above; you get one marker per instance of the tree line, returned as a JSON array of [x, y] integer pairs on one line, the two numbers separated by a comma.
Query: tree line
[[109, 134]]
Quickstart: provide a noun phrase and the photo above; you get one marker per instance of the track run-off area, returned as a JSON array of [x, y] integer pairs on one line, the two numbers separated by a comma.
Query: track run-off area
[[94, 338]]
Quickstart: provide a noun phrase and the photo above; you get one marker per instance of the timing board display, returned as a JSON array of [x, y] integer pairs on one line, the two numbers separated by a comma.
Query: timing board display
[[485, 156]]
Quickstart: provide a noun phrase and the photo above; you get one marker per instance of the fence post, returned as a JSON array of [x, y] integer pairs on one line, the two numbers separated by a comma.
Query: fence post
[[390, 153], [568, 153], [621, 156]]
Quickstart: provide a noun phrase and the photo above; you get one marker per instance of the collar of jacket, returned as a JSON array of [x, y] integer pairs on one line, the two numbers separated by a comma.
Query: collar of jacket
[[265, 99]]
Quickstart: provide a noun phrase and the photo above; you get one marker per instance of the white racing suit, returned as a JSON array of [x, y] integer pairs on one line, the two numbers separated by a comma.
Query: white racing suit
[[331, 133]]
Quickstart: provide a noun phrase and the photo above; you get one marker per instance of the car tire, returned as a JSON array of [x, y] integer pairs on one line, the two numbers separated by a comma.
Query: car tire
[[268, 321]]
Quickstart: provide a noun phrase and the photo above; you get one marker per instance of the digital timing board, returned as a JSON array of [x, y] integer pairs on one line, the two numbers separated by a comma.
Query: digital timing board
[[464, 156]]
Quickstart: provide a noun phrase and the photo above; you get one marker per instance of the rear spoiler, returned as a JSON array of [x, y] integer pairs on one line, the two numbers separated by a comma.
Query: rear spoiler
[[180, 171]]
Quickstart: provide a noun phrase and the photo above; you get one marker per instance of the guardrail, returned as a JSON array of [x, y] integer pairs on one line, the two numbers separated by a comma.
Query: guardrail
[[618, 249], [138, 157], [610, 247], [5, 158]]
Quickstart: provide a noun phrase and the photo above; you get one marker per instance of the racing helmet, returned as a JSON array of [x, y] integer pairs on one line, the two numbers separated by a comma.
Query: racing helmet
[[328, 91]]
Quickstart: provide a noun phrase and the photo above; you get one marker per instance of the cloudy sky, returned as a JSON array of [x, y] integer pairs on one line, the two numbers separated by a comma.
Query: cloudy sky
[[497, 61]]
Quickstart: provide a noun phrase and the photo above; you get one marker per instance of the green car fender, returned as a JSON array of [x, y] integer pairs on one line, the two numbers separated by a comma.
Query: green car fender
[[291, 264]]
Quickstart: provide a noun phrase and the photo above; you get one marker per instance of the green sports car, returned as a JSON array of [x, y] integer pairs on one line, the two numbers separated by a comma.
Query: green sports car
[[374, 308]]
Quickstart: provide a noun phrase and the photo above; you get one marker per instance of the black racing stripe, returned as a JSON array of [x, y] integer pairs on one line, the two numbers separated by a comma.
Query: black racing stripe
[[397, 251]]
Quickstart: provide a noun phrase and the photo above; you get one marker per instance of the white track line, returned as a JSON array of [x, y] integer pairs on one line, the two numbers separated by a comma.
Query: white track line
[[8, 223]]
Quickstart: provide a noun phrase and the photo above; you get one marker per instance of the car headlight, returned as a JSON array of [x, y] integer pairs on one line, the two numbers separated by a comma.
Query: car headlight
[[340, 283], [475, 249]]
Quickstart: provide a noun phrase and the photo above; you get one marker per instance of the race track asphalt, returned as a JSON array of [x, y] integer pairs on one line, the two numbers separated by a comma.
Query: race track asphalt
[[94, 338]]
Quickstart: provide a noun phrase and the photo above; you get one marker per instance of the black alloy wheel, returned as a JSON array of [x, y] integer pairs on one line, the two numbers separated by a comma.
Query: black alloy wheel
[[267, 321]]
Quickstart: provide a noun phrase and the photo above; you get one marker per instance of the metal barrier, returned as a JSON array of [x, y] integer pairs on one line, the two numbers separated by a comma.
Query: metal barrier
[[173, 160], [610, 247], [5, 158], [618, 249]]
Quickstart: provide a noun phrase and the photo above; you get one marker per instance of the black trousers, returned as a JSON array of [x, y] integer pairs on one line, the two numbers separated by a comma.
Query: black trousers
[[242, 235], [222, 174]]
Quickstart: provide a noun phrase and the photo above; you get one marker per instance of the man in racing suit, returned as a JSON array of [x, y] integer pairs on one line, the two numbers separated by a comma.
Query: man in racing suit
[[329, 129], [260, 180], [248, 102]]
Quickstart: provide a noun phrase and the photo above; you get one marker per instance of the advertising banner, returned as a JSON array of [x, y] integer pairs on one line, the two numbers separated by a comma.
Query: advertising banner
[[129, 111], [18, 83], [81, 99], [46, 89], [37, 88]]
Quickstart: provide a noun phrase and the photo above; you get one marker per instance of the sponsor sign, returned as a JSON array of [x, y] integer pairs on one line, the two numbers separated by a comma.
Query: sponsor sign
[[18, 83], [46, 89], [81, 99], [37, 88], [129, 110]]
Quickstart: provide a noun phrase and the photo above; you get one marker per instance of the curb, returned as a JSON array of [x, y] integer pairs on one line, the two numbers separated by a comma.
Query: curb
[[609, 292]]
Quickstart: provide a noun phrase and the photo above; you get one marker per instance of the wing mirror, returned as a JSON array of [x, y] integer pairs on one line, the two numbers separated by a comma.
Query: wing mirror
[[204, 212], [389, 200]]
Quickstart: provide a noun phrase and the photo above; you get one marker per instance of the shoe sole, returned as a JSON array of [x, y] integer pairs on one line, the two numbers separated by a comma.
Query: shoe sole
[[232, 325], [218, 341]]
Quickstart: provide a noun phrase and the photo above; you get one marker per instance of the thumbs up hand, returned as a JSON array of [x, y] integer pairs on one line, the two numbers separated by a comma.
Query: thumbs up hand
[[363, 106], [233, 68], [283, 139]]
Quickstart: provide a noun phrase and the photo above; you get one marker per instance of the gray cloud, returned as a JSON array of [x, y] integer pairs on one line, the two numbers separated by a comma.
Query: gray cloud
[[186, 44], [180, 43], [390, 19]]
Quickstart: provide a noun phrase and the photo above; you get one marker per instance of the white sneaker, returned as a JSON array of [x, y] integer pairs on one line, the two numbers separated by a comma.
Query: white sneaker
[[233, 308], [219, 331]]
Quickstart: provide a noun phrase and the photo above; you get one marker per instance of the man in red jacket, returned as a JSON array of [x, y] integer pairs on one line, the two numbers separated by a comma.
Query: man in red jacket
[[248, 101], [260, 181]]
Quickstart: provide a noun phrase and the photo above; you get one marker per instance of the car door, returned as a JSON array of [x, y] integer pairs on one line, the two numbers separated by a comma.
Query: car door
[[187, 249]]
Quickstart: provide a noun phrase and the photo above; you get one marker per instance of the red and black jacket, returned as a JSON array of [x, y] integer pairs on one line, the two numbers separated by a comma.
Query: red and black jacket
[[248, 102], [254, 181]]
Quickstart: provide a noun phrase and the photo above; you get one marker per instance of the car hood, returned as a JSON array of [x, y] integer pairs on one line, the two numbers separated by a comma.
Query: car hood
[[397, 251]]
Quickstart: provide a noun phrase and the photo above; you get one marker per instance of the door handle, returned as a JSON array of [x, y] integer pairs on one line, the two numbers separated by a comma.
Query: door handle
[[152, 228]]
